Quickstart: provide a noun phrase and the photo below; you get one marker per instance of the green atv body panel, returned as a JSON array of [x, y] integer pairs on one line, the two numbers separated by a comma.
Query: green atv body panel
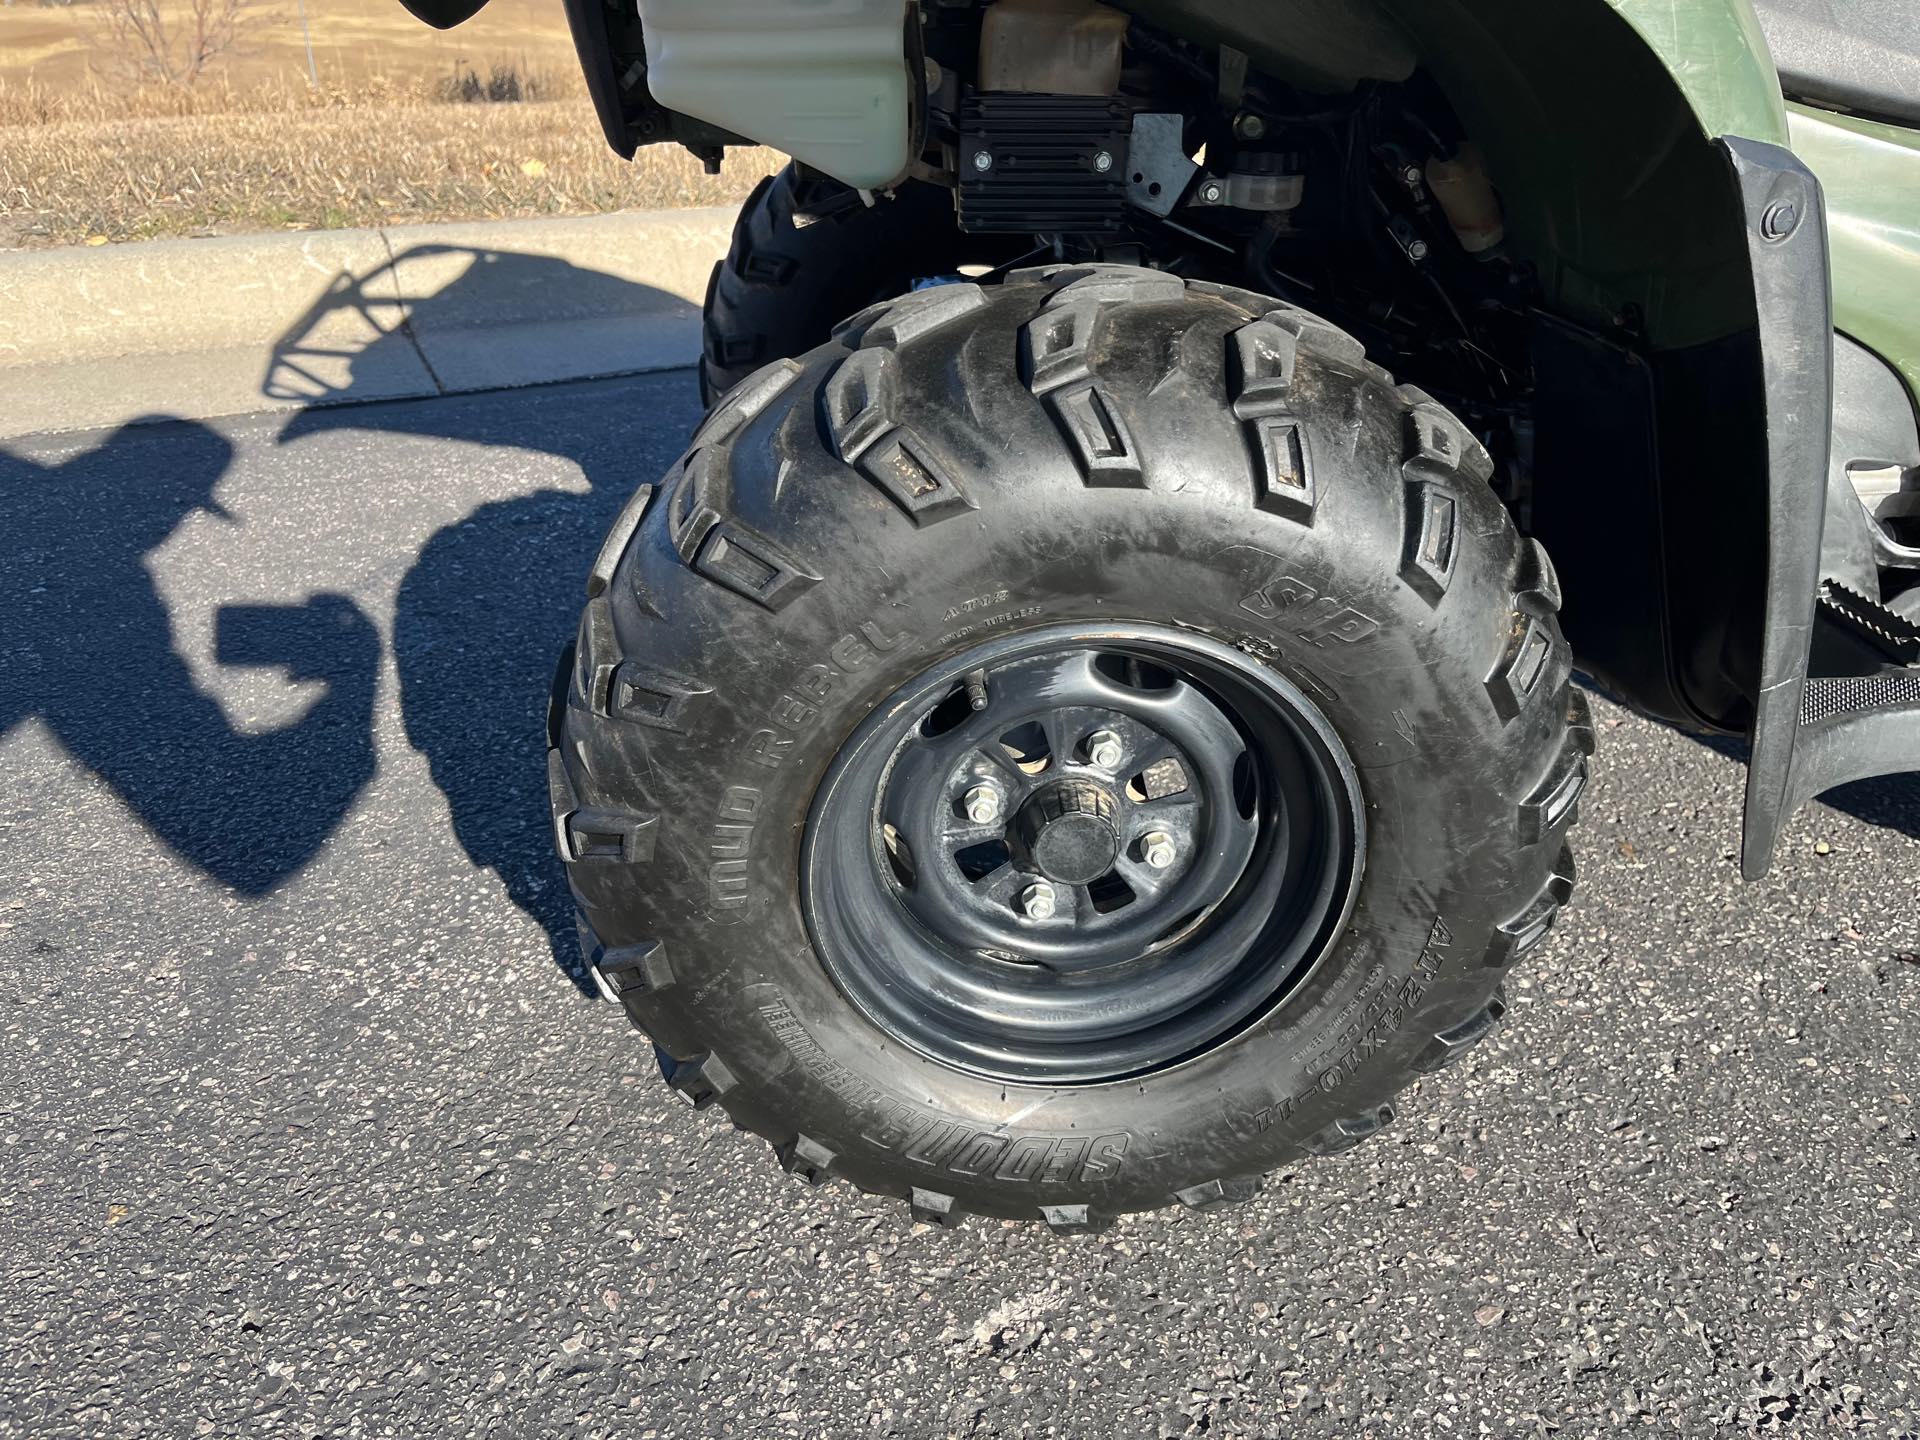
[[1871, 174], [1717, 55]]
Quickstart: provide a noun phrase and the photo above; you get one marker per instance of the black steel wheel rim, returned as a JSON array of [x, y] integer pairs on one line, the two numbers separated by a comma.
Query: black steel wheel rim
[[1082, 853]]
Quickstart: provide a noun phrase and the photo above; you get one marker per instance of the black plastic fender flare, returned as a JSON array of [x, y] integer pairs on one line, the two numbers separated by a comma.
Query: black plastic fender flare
[[1796, 755]]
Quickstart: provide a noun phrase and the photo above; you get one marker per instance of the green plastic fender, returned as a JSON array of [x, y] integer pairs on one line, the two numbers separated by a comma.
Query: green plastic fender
[[1871, 174], [1716, 53]]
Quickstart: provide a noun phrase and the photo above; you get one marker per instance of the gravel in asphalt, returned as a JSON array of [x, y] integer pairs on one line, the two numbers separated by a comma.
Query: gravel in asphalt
[[305, 1130]]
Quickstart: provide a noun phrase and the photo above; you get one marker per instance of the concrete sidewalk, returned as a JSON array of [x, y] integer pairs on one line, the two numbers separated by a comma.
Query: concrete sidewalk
[[200, 328]]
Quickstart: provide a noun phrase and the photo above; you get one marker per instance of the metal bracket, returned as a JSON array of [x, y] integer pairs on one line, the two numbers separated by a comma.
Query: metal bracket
[[1158, 168]]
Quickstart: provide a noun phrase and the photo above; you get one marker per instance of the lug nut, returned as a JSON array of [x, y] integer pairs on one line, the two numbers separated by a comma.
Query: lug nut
[[1037, 901], [982, 804], [1105, 749], [1156, 848]]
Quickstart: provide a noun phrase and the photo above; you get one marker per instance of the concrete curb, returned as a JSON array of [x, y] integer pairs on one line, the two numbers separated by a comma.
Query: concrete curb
[[199, 328]]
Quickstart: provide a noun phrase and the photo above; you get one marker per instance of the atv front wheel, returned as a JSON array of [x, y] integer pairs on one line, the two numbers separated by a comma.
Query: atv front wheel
[[1067, 747]]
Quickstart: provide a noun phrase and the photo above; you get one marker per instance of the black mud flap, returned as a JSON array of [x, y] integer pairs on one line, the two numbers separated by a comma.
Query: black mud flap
[[1809, 734]]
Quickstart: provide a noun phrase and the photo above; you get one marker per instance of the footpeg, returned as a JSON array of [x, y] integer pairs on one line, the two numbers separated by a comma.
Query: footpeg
[[1893, 637]]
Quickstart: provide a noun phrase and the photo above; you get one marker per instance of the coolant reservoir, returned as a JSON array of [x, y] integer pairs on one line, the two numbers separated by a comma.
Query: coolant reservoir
[[1056, 47], [1467, 199], [825, 81]]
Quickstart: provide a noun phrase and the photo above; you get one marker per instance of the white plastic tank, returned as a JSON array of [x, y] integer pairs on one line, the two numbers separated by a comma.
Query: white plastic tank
[[823, 80]]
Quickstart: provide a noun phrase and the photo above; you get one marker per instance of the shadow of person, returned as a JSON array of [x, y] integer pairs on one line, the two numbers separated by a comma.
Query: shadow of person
[[89, 651], [485, 610]]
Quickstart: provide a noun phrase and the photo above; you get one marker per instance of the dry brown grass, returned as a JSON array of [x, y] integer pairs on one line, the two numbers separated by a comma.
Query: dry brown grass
[[325, 168], [62, 46], [28, 101], [85, 158]]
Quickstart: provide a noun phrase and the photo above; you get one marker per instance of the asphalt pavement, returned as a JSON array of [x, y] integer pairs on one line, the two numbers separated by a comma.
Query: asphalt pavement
[[307, 1129]]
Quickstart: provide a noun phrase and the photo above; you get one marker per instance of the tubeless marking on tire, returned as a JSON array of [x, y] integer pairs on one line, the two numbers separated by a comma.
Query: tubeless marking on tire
[[1358, 1038], [985, 622], [935, 1142]]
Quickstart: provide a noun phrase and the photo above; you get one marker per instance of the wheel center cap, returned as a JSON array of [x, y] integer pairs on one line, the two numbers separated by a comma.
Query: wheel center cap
[[1066, 832]]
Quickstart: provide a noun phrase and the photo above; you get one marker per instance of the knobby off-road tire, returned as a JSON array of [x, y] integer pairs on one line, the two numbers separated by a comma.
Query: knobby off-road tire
[[1098, 447], [784, 284]]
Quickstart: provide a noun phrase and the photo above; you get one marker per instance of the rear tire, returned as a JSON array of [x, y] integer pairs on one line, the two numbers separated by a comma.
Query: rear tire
[[1090, 452], [788, 277]]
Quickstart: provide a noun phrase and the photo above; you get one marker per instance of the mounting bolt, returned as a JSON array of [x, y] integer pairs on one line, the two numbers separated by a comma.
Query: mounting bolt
[[982, 160], [1037, 901], [982, 804], [1249, 126], [1780, 220], [1102, 161], [1156, 848], [1211, 192], [1105, 749], [1412, 176]]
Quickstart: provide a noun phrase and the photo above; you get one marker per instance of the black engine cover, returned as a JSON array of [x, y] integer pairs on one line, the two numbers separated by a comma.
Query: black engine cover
[[1042, 171]]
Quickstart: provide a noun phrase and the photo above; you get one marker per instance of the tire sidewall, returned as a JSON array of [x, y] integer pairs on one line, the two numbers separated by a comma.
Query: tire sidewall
[[725, 889]]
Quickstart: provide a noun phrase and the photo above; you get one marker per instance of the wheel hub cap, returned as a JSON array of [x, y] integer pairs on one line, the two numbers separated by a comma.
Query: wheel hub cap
[[1082, 853], [1066, 833]]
